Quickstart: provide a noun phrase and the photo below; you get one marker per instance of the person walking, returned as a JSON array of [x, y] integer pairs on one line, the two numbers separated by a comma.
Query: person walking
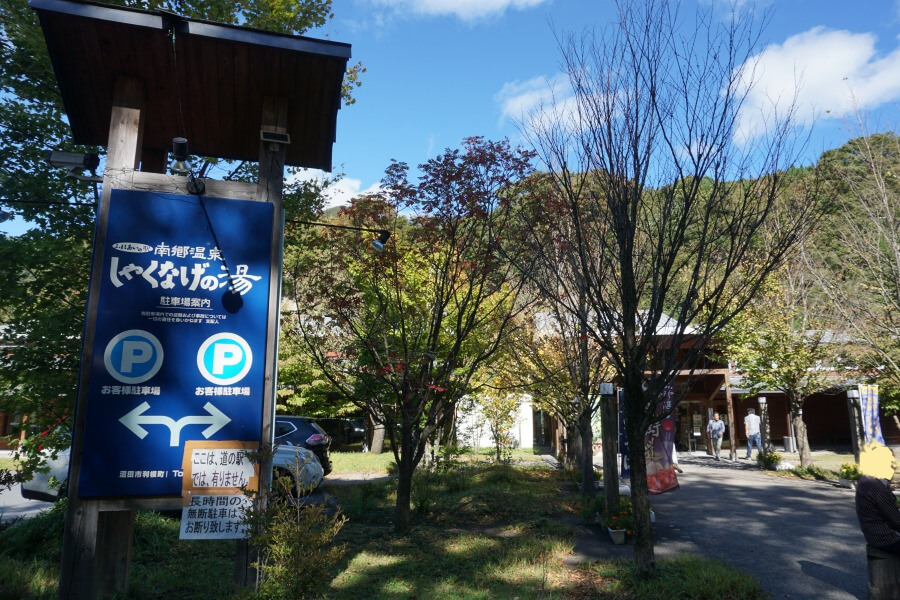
[[751, 430], [716, 430], [876, 509], [675, 459]]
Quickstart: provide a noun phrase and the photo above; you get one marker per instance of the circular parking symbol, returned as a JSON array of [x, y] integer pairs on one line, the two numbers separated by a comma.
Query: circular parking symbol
[[224, 358], [133, 356]]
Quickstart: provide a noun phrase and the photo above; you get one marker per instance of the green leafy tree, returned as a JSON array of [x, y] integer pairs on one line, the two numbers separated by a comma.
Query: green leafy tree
[[858, 260], [563, 367], [781, 343], [404, 333], [500, 409], [44, 272]]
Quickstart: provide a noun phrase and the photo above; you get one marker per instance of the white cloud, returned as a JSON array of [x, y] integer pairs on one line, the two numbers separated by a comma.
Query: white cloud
[[346, 189], [467, 10], [539, 104], [340, 192], [519, 98], [836, 71], [522, 101]]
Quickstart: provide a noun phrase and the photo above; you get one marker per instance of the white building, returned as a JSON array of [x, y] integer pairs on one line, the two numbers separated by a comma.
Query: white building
[[473, 430]]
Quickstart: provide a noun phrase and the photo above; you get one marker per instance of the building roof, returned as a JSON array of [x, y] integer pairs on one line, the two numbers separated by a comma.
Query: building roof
[[667, 326], [208, 86]]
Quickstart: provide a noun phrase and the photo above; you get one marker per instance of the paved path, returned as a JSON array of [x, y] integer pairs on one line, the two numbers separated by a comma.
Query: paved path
[[13, 505], [800, 538]]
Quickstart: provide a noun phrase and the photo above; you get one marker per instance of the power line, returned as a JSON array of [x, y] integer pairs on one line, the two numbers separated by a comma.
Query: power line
[[48, 202]]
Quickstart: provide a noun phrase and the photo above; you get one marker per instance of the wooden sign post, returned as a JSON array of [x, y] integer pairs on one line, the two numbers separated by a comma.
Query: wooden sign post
[[230, 91]]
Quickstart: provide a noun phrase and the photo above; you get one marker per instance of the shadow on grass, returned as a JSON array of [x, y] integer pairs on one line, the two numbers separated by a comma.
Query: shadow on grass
[[479, 532]]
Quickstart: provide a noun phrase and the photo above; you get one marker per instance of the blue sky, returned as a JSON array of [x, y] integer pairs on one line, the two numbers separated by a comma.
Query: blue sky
[[441, 70]]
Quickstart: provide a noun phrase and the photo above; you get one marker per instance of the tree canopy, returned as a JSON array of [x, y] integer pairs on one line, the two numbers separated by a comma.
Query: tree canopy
[[44, 272]]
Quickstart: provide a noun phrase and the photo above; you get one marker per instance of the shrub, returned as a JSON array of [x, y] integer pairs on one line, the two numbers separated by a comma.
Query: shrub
[[850, 471], [423, 492], [364, 501], [768, 460], [576, 474], [39, 537], [296, 547], [592, 508]]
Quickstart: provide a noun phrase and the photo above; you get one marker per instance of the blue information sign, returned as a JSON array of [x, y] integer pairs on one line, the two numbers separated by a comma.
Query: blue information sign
[[180, 339]]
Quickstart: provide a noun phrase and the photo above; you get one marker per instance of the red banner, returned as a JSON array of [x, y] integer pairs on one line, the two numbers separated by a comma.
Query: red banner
[[658, 446]]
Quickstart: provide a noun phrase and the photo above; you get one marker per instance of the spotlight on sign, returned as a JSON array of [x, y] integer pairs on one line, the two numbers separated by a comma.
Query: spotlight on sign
[[232, 301], [379, 243], [180, 164]]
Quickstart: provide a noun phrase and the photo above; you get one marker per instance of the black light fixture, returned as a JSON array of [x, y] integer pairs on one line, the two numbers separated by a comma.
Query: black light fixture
[[180, 164], [378, 244]]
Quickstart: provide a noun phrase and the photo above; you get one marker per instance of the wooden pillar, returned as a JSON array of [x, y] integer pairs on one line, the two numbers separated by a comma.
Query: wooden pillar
[[732, 426], [705, 419], [96, 554], [790, 431], [609, 430], [857, 432], [274, 118], [765, 432]]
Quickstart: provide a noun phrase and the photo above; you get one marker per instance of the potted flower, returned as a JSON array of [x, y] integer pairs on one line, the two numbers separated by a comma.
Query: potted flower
[[768, 460], [621, 523], [849, 475]]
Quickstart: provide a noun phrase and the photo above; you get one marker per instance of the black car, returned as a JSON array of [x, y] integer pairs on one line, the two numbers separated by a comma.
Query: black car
[[303, 431], [344, 431]]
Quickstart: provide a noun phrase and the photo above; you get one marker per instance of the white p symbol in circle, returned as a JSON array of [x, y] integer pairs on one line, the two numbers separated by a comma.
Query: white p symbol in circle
[[225, 355], [134, 352], [224, 358], [133, 356]]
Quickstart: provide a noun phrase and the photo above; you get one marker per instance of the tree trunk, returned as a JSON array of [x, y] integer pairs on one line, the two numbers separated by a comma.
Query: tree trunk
[[404, 481], [609, 426], [377, 444], [802, 439], [587, 454], [640, 497], [571, 458]]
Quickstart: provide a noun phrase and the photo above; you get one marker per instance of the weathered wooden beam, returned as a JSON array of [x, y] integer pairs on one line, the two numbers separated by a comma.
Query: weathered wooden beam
[[85, 555], [274, 118], [175, 184], [732, 429], [709, 402]]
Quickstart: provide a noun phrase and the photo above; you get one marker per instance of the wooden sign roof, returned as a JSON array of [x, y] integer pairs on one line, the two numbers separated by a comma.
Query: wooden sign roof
[[207, 86]]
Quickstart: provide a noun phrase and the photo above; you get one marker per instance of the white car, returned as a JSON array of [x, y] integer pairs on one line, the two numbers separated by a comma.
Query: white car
[[52, 485], [298, 462], [301, 464]]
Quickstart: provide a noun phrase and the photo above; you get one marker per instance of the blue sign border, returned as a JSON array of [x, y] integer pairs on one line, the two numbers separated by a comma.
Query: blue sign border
[[179, 272]]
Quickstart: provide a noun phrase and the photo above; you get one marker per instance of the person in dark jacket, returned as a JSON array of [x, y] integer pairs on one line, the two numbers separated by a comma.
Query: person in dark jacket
[[876, 508]]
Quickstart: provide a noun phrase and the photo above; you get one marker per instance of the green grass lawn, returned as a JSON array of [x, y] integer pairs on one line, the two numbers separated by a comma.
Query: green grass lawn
[[383, 464], [361, 462], [480, 530], [8, 464]]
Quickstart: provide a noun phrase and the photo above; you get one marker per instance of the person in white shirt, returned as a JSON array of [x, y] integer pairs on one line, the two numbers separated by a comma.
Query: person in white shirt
[[751, 429]]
